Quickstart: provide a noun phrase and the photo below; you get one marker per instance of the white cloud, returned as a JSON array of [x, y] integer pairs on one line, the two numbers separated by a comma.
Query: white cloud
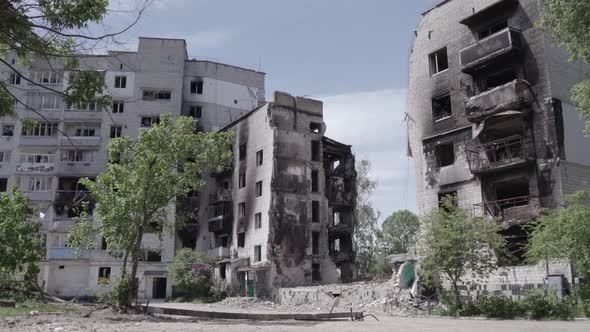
[[372, 122]]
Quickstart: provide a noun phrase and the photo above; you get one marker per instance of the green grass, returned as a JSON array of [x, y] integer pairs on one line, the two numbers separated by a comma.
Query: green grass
[[21, 310]]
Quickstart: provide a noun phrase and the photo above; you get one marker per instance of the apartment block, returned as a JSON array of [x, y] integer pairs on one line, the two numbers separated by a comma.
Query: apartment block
[[46, 164], [491, 122], [283, 215]]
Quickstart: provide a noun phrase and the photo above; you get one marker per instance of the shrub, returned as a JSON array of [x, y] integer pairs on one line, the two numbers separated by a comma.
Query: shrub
[[193, 271], [500, 306], [120, 293], [545, 305]]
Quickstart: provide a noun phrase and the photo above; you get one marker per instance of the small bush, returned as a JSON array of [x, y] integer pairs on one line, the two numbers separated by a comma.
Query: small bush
[[120, 294], [545, 305], [500, 306]]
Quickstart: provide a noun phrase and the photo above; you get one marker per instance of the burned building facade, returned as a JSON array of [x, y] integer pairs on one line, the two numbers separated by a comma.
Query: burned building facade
[[283, 215], [491, 121]]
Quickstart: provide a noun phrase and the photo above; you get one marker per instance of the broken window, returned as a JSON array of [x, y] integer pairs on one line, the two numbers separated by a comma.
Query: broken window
[[257, 253], [148, 121], [259, 189], [258, 220], [197, 87], [315, 243], [242, 180], [445, 154], [242, 209], [315, 272], [104, 275], [315, 181], [196, 112], [103, 244], [156, 95], [259, 157], [337, 245], [449, 197], [154, 256], [120, 82], [7, 130], [492, 29], [118, 106], [315, 150], [241, 239], [222, 271], [336, 216], [116, 131], [515, 249], [438, 61], [242, 152], [441, 108], [315, 211], [3, 184], [315, 127], [499, 78]]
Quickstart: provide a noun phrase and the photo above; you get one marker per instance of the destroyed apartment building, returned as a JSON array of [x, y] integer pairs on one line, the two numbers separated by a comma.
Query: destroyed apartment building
[[283, 215], [277, 217], [491, 122]]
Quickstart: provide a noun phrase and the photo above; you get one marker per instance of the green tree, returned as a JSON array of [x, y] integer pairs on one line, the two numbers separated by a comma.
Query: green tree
[[366, 229], [454, 244], [399, 232], [193, 271], [564, 234], [142, 180], [568, 23], [58, 33], [20, 245]]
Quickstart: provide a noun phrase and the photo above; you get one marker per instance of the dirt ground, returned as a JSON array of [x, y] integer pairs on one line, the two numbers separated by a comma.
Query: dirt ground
[[107, 320]]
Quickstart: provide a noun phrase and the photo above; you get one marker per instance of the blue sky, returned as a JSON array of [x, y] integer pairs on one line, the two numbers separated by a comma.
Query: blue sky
[[353, 55]]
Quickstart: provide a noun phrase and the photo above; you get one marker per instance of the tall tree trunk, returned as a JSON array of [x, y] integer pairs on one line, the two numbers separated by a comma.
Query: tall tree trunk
[[134, 264]]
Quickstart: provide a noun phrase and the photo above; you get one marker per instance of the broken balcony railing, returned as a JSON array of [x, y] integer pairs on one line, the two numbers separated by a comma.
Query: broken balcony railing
[[481, 53], [499, 154], [521, 208], [514, 95], [220, 196]]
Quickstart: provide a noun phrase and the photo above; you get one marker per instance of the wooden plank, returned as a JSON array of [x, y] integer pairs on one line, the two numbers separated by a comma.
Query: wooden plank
[[255, 316]]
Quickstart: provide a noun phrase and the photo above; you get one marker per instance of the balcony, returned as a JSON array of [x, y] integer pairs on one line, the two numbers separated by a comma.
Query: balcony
[[69, 196], [500, 155], [514, 95], [511, 210], [220, 196], [484, 52], [220, 224], [219, 252], [36, 163], [67, 254], [80, 141], [337, 193], [86, 115], [38, 140], [340, 229]]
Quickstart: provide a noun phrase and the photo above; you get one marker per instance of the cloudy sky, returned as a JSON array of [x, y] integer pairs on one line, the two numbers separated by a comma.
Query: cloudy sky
[[351, 54]]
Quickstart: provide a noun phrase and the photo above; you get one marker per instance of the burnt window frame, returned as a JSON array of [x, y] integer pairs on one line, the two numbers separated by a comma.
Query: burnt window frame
[[315, 211], [258, 220], [435, 101], [315, 243], [242, 209], [433, 61], [242, 180], [242, 152], [241, 240], [315, 181], [438, 154], [316, 149]]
